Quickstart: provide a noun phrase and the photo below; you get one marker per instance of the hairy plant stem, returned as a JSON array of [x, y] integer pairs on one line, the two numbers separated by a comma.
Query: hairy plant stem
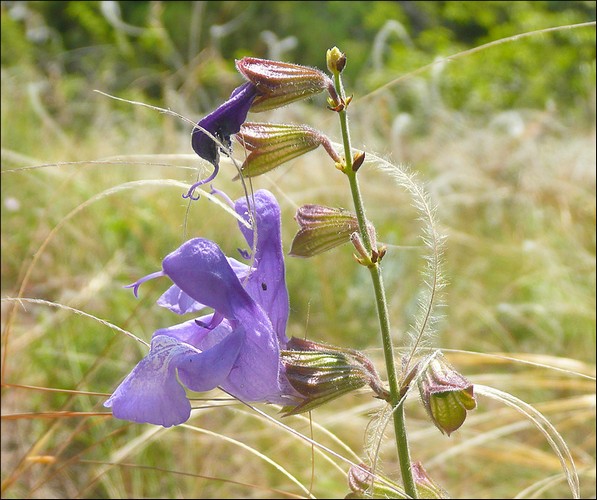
[[382, 309]]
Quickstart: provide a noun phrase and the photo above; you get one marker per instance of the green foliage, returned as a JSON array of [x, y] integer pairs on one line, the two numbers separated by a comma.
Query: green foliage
[[526, 73], [179, 44]]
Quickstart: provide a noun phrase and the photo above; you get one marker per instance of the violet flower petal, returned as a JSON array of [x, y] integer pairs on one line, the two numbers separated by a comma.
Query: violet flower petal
[[267, 283], [191, 333], [236, 347], [152, 394], [201, 270], [180, 303], [205, 372], [223, 122]]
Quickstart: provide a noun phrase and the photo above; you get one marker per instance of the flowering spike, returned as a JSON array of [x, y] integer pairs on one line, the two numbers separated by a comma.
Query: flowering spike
[[446, 395], [322, 228], [280, 83], [270, 145]]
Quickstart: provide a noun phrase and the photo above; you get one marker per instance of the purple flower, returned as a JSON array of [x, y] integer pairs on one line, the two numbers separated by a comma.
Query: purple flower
[[221, 123], [270, 84], [237, 347]]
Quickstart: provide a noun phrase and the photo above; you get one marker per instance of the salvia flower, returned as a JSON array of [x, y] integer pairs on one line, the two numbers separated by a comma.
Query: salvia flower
[[322, 372], [237, 347], [271, 145], [270, 84], [279, 83], [446, 394]]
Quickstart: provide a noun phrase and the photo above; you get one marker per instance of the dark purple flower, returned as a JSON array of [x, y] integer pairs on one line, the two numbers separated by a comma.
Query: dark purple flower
[[221, 123], [270, 84], [237, 347]]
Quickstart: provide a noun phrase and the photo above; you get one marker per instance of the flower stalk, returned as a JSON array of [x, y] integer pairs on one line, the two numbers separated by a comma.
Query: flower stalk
[[334, 56]]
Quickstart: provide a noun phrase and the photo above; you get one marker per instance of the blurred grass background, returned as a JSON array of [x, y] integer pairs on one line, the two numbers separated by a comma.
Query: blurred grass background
[[503, 140]]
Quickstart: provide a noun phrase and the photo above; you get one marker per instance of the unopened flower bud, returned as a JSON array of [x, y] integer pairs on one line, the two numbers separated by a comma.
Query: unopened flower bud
[[364, 485], [322, 228], [363, 256], [336, 60], [426, 487], [446, 395], [271, 145], [280, 83], [358, 160], [321, 372]]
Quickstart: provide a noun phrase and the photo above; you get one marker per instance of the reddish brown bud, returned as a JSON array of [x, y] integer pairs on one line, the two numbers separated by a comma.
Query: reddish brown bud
[[322, 372], [426, 487], [271, 145], [280, 83], [358, 160], [322, 228], [365, 485]]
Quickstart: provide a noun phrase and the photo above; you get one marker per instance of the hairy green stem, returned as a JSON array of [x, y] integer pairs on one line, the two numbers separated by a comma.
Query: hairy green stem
[[382, 309]]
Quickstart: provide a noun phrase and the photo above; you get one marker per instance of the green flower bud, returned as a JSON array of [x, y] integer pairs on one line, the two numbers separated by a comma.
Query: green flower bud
[[335, 60], [446, 395], [321, 373], [270, 145]]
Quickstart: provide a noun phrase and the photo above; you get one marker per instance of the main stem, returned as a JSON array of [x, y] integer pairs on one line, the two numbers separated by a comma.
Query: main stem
[[382, 309]]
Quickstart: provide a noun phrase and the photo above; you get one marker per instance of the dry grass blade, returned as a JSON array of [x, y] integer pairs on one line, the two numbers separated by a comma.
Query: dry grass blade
[[544, 426]]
